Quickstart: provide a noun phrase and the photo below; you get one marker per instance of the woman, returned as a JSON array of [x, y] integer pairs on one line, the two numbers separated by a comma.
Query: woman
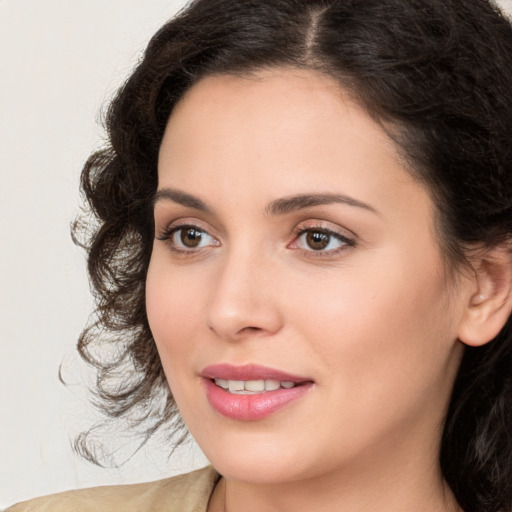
[[304, 220]]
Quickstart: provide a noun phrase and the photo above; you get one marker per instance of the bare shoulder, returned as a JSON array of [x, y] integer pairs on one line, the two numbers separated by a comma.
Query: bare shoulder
[[184, 493]]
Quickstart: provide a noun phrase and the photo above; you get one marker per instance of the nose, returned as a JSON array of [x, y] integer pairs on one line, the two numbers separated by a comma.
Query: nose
[[242, 303]]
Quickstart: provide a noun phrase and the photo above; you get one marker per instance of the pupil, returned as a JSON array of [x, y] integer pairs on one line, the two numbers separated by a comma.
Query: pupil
[[190, 237], [317, 241]]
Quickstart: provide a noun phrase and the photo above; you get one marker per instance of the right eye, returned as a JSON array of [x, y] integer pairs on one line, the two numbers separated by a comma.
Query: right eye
[[188, 238]]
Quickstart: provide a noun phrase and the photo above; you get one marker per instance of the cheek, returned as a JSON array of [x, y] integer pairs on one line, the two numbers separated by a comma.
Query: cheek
[[379, 319], [383, 343], [173, 310]]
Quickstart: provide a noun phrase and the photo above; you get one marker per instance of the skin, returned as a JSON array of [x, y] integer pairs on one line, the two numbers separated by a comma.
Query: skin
[[374, 321]]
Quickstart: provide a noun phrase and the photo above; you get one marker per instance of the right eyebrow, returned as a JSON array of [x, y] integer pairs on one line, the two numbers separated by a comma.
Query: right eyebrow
[[177, 196], [293, 203]]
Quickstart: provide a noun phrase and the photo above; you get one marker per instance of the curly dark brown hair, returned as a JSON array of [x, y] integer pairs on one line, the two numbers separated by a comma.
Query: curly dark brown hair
[[438, 71]]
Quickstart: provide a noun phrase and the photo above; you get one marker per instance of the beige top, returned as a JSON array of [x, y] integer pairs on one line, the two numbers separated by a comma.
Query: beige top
[[184, 493]]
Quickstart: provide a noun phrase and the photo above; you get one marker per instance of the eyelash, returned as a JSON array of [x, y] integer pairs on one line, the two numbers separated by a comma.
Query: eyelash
[[169, 233], [346, 242]]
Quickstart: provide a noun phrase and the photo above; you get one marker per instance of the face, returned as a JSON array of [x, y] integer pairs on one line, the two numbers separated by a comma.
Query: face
[[296, 263]]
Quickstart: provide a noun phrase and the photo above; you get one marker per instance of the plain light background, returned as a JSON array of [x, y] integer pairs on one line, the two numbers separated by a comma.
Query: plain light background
[[60, 61]]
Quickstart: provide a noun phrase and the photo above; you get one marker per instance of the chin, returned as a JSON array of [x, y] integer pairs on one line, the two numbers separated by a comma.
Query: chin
[[258, 459]]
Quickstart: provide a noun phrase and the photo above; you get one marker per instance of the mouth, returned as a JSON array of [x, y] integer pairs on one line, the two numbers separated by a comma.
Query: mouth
[[251, 392], [252, 387]]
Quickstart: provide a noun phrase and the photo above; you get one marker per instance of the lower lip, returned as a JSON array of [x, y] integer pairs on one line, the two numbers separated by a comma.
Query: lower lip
[[252, 407]]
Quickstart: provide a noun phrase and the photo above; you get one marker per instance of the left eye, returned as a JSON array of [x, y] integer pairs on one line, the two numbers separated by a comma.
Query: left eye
[[320, 240], [190, 238]]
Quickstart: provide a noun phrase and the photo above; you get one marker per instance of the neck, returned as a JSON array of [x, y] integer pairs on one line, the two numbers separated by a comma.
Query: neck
[[290, 498], [368, 487]]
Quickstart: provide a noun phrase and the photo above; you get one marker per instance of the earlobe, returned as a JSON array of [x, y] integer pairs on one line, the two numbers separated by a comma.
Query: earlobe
[[490, 300]]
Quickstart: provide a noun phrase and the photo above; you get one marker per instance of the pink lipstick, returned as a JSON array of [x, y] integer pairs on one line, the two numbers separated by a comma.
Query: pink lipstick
[[251, 392]]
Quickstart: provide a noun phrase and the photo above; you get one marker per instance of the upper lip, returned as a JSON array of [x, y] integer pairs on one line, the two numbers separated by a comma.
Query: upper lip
[[249, 372]]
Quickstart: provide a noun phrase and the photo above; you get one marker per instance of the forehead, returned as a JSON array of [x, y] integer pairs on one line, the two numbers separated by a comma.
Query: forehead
[[293, 97], [288, 128]]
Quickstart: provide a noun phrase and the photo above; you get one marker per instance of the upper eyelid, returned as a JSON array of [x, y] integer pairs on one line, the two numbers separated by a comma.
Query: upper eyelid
[[346, 240], [324, 225], [170, 230], [183, 222], [322, 229]]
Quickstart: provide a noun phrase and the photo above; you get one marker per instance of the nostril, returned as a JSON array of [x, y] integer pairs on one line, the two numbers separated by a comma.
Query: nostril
[[250, 329]]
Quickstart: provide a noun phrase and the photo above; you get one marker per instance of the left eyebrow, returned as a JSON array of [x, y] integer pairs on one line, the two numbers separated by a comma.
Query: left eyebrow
[[182, 198], [293, 203]]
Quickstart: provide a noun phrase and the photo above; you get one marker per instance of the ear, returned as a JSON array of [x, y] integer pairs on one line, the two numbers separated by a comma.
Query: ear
[[490, 301]]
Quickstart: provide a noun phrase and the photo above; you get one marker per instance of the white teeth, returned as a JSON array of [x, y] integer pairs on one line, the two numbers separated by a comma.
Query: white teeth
[[255, 385], [222, 383], [247, 387], [236, 385], [271, 385]]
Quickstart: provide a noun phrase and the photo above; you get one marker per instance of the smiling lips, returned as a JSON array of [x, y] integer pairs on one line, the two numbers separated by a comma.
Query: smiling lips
[[251, 392]]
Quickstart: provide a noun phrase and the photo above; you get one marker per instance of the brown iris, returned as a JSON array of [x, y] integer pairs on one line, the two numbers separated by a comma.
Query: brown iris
[[317, 240], [191, 237]]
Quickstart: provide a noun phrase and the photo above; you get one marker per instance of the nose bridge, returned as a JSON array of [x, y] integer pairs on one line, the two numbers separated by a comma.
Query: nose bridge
[[242, 301]]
